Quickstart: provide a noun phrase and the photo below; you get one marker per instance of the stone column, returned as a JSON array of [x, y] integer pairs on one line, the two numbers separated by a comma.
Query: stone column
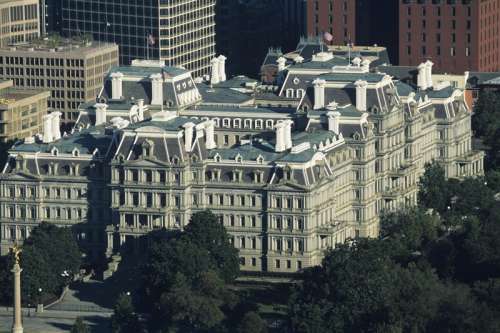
[[17, 326]]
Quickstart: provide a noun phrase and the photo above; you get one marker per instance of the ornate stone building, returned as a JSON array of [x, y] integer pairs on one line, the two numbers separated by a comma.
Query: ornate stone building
[[290, 170]]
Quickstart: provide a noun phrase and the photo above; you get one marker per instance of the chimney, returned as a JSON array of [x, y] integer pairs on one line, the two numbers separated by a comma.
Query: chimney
[[333, 121], [100, 113], [319, 93], [214, 78], [280, 137], [428, 75], [210, 132], [281, 64], [288, 134], [222, 68], [199, 130], [365, 64], [356, 62], [156, 89], [47, 129], [56, 125], [188, 136], [116, 85], [361, 94], [140, 107], [422, 77]]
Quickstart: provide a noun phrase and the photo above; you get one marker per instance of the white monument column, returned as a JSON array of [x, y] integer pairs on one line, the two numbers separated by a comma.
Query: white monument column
[[17, 326]]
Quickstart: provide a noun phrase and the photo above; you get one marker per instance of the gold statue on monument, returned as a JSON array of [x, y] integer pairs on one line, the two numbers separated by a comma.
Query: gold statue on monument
[[16, 250]]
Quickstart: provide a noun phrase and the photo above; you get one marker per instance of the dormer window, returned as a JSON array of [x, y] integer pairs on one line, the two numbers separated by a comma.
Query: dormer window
[[258, 176], [260, 159], [54, 151], [217, 158], [239, 158], [300, 93], [237, 176], [76, 152], [147, 149]]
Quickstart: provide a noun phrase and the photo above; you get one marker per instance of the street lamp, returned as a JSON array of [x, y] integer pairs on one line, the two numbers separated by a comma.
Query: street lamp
[[39, 306]]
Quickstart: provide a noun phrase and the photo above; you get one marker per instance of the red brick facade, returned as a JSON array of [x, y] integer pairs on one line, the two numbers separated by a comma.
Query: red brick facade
[[337, 17], [457, 35]]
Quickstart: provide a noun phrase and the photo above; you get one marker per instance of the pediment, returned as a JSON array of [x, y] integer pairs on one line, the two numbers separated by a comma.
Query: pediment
[[146, 163]]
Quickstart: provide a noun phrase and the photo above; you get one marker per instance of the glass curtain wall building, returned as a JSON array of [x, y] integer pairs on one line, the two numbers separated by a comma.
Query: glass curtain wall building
[[179, 32]]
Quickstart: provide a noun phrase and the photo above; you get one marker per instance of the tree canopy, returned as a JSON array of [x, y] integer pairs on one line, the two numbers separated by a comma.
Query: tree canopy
[[430, 271], [46, 255], [185, 276]]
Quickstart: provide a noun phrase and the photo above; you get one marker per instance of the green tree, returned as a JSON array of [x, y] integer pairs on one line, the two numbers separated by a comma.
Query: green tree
[[80, 327], [486, 111], [124, 318], [252, 323], [184, 276], [195, 307], [433, 188], [208, 233], [47, 254]]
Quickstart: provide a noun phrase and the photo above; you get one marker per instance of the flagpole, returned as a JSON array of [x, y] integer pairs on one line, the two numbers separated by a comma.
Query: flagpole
[[147, 47]]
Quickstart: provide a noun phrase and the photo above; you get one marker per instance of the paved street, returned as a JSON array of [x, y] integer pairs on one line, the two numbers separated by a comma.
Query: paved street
[[90, 300], [54, 325], [93, 296]]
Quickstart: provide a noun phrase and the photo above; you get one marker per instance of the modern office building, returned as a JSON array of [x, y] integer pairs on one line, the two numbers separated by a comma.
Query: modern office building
[[290, 169], [457, 36], [246, 29], [179, 32], [21, 111], [51, 16], [73, 71], [359, 22], [19, 21]]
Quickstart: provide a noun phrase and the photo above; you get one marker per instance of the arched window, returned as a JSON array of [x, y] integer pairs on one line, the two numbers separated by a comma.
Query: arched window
[[226, 122], [217, 122], [258, 124], [237, 123], [269, 123], [247, 123], [289, 93]]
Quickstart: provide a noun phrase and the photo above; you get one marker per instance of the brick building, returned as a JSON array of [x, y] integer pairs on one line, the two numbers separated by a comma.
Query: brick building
[[357, 21], [456, 35]]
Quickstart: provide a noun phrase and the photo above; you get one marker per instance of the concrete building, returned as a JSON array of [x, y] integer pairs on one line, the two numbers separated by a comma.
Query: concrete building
[[19, 21], [457, 36], [182, 32], [290, 169], [21, 111], [72, 70]]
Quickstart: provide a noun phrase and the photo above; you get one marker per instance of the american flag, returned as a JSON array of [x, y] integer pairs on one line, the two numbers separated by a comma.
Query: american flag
[[151, 40], [328, 36]]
